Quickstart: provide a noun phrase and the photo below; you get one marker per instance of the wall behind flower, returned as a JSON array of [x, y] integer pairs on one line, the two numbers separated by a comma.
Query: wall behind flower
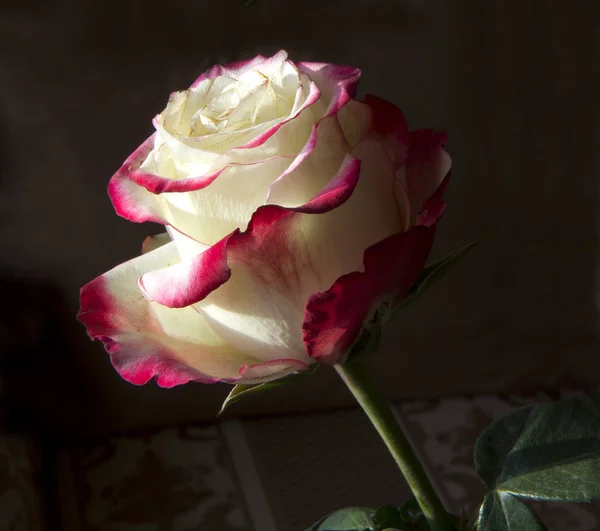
[[514, 84]]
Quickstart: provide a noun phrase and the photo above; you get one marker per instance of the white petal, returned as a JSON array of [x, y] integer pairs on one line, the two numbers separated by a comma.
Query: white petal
[[209, 214], [149, 334]]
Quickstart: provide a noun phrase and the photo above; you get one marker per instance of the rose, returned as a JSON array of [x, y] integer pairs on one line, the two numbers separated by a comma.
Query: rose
[[294, 213]]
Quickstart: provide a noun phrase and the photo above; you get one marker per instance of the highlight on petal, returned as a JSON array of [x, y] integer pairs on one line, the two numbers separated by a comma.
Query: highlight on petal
[[145, 339], [334, 318]]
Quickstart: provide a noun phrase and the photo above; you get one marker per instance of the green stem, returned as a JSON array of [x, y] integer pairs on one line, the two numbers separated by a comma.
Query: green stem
[[378, 410]]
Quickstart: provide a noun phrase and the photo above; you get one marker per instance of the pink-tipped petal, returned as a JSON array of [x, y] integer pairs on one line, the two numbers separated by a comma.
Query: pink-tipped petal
[[312, 169], [334, 318], [189, 281], [145, 339], [129, 199], [156, 184], [211, 208], [155, 363], [260, 139], [337, 83]]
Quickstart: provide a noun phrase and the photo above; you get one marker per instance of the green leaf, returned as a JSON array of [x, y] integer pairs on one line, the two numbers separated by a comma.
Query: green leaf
[[240, 391], [349, 519], [496, 442], [432, 273], [503, 512], [546, 452]]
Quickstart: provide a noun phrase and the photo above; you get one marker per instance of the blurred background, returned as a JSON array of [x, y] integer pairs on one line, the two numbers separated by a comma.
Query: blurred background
[[513, 82]]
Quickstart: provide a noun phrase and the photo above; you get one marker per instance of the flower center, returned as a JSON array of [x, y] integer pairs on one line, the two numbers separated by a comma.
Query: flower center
[[226, 104]]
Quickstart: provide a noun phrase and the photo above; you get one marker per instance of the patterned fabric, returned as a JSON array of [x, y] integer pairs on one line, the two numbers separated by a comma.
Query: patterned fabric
[[20, 497], [172, 480]]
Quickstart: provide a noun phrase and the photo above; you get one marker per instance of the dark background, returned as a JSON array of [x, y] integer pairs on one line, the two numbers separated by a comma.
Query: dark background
[[514, 83]]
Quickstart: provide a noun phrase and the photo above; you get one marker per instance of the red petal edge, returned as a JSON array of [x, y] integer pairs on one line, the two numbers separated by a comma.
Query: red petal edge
[[333, 319], [99, 315]]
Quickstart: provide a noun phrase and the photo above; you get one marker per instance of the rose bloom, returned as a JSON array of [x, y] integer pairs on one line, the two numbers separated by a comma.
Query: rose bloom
[[293, 214]]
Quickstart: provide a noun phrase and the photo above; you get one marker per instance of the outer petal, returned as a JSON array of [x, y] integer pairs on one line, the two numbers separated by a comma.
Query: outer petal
[[418, 156], [145, 339], [355, 119], [189, 281], [130, 200], [334, 318]]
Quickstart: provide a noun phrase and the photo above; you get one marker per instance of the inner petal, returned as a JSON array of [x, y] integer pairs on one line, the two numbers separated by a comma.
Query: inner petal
[[264, 104]]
